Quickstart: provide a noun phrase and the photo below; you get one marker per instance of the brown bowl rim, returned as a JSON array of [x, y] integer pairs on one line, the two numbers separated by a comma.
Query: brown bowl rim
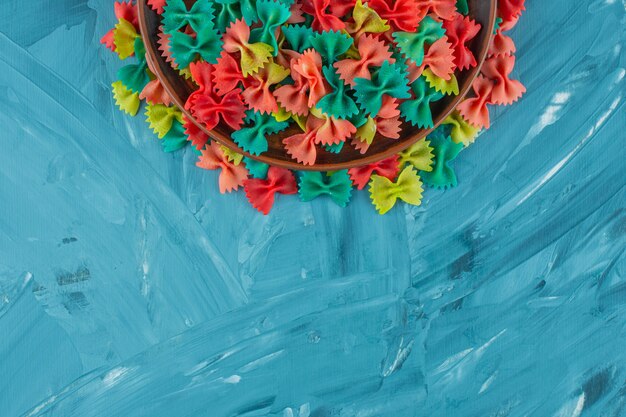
[[153, 56]]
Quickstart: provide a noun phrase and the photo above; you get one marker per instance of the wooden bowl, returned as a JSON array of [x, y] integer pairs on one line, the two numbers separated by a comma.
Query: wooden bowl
[[483, 11]]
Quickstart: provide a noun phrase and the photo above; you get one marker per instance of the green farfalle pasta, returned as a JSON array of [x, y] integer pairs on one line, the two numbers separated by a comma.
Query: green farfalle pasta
[[412, 45], [442, 174], [257, 169], [206, 44], [331, 44], [175, 138], [252, 137], [338, 186], [337, 103], [135, 76], [298, 36], [271, 15], [335, 147], [176, 15], [417, 110], [226, 12], [389, 80]]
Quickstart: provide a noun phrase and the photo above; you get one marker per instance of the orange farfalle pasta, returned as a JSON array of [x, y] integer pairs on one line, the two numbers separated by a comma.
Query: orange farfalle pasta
[[460, 31], [301, 146], [501, 45], [505, 90], [333, 131], [439, 58], [257, 93], [474, 109], [253, 55], [309, 85], [154, 92], [388, 123], [372, 52], [232, 176]]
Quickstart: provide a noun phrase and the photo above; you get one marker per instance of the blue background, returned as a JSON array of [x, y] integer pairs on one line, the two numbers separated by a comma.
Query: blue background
[[130, 287]]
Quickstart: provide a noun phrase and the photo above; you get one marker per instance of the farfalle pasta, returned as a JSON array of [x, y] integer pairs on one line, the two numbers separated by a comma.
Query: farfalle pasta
[[333, 74]]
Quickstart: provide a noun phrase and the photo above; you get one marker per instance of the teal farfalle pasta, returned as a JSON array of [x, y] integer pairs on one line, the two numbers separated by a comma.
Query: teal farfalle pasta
[[176, 15], [272, 15], [338, 102], [331, 44], [257, 169], [175, 138], [389, 80], [226, 12], [445, 151], [185, 48], [338, 186], [298, 36], [135, 76], [252, 137], [412, 44], [417, 110]]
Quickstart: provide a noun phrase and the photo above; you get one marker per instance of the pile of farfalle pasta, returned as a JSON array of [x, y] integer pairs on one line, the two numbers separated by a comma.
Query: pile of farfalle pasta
[[343, 72]]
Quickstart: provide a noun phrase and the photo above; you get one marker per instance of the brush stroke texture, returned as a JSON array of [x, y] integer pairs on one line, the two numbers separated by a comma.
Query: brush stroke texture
[[130, 287]]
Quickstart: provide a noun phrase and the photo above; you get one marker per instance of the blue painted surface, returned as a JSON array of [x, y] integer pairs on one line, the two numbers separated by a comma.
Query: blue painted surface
[[130, 287]]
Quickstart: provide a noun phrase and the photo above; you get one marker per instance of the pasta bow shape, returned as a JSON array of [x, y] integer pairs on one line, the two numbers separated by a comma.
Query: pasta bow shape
[[154, 92], [252, 138], [253, 55], [195, 135], [384, 192], [323, 131], [177, 16], [272, 16], [460, 130], [337, 103], [308, 87], [135, 76], [372, 53], [505, 91], [232, 176], [419, 155], [157, 5], [337, 186], [257, 93], [299, 37], [474, 109], [261, 192], [366, 20], [227, 74], [387, 168], [417, 110], [444, 9], [445, 150], [460, 31], [510, 10], [207, 106], [184, 48], [322, 19], [402, 15], [389, 80], [413, 45], [331, 44], [160, 118], [128, 13]]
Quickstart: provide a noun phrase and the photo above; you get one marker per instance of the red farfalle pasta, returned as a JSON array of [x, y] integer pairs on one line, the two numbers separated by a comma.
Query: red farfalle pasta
[[208, 107], [227, 74], [154, 92], [460, 31], [388, 123], [402, 15], [261, 192], [232, 176], [474, 109], [157, 5], [388, 168], [501, 45], [123, 10], [309, 85], [195, 135], [323, 19], [341, 8], [302, 146], [510, 11], [372, 52], [444, 9], [498, 68]]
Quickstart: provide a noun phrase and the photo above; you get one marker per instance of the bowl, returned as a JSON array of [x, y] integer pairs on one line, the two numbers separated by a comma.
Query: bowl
[[179, 88]]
